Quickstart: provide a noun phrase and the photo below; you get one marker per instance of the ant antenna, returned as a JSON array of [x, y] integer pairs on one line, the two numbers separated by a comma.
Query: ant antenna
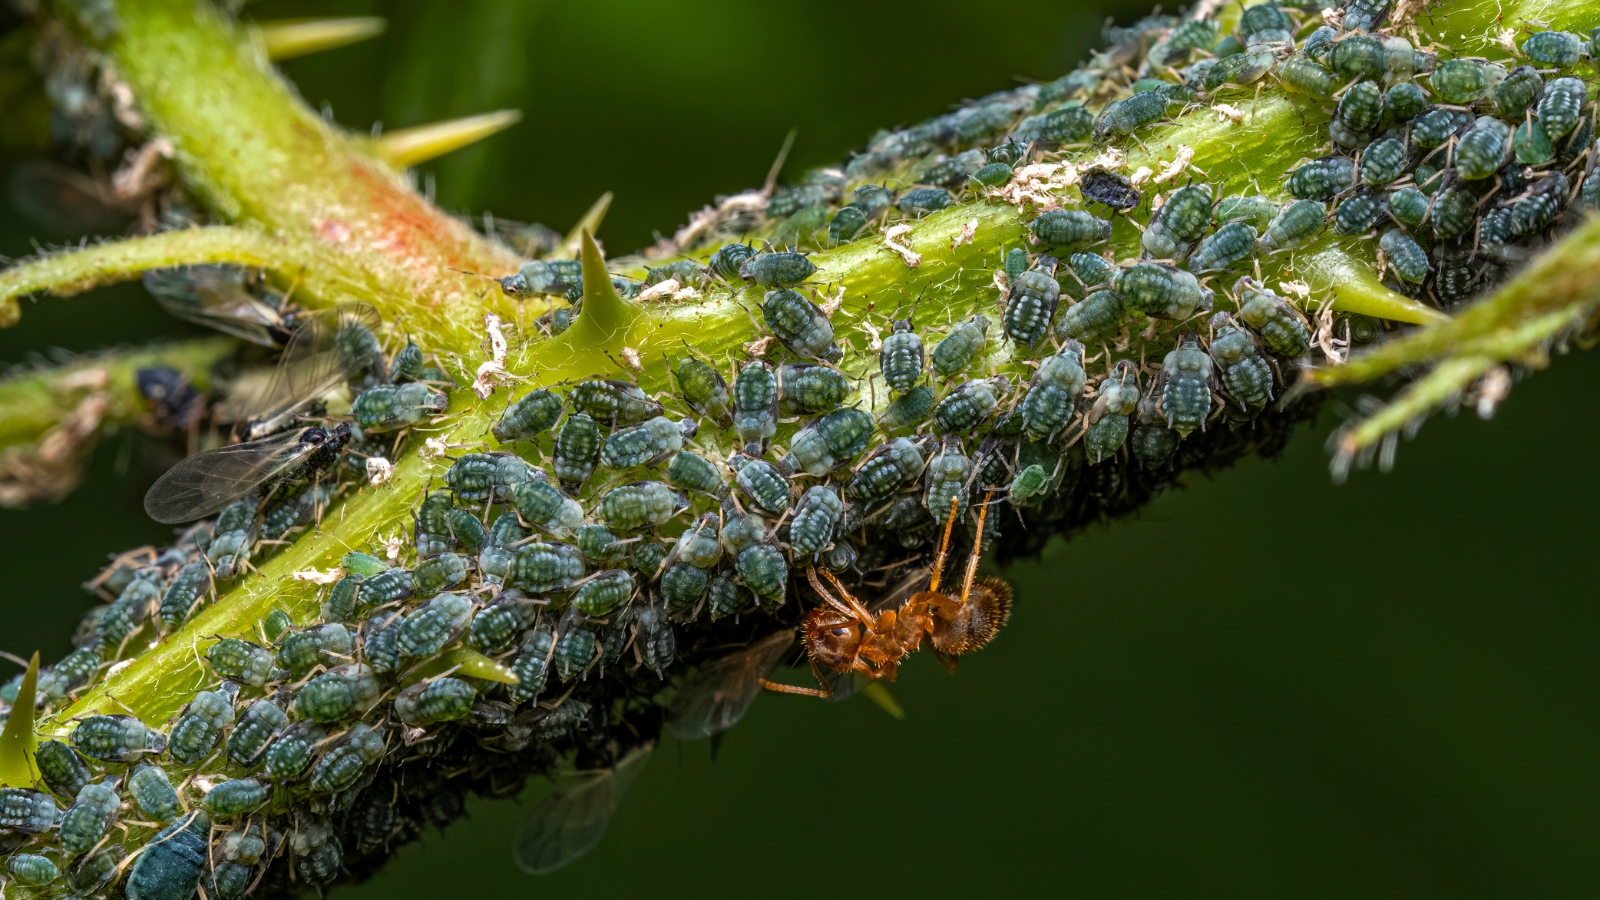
[[977, 546]]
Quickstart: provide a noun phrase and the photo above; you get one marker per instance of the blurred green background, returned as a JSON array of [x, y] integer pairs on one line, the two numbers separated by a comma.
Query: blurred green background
[[1264, 686]]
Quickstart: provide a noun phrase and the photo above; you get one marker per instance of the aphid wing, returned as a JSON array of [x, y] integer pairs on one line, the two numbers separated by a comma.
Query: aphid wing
[[313, 362], [204, 483], [572, 820], [216, 297], [714, 699]]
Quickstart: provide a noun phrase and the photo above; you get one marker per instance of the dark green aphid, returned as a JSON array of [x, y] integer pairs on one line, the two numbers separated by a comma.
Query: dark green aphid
[[905, 513], [1494, 231], [467, 530], [575, 650], [647, 443], [701, 386], [849, 221], [301, 651], [1515, 93], [726, 596], [89, 817], [544, 506], [841, 557], [1307, 76], [1280, 325], [530, 416], [497, 556], [991, 175], [337, 694], [116, 739], [755, 405], [1454, 212], [1009, 152], [1361, 107], [557, 321], [1428, 178], [153, 794], [408, 364], [790, 199], [318, 856], [967, 407], [186, 590], [1265, 21], [813, 389], [924, 200], [1095, 317], [1228, 245], [277, 622], [1459, 81], [658, 645], [196, 732], [985, 122], [57, 683], [700, 544], [435, 624], [1151, 441], [341, 603], [1053, 394], [386, 407], [172, 863], [1032, 301], [1433, 128], [1539, 205], [31, 868], [908, 409], [1383, 161], [1161, 292], [726, 261], [27, 811], [829, 442], [1403, 101], [777, 269], [288, 755], [1254, 209], [63, 771], [1129, 115], [297, 508], [1322, 178], [693, 472], [1069, 228], [1365, 15], [965, 340], [230, 548], [889, 468], [235, 798], [1318, 44], [615, 402], [1561, 106], [1109, 189], [1173, 228], [640, 505], [763, 570], [551, 276], [799, 325], [577, 449], [496, 626], [648, 557], [603, 592], [1409, 206], [1357, 213], [1069, 125], [385, 587], [1108, 423], [684, 587], [815, 518], [1016, 262], [1295, 224], [762, 483], [1554, 48], [260, 723], [948, 473], [1185, 386], [129, 610], [1245, 372], [529, 666], [683, 271], [362, 746], [902, 357], [1405, 257], [478, 476], [1483, 150], [443, 700], [1530, 145]]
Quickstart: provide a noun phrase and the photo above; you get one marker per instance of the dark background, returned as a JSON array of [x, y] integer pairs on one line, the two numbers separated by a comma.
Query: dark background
[[1265, 686]]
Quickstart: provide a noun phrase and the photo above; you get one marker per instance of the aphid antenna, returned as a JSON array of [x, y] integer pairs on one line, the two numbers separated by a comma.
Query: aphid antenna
[[771, 182]]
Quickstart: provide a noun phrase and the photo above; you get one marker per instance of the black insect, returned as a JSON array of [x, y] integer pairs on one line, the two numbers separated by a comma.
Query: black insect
[[1109, 188]]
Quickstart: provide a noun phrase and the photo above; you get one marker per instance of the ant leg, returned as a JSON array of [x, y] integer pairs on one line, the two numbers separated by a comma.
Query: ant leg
[[944, 544], [781, 688], [977, 546], [860, 611], [854, 609]]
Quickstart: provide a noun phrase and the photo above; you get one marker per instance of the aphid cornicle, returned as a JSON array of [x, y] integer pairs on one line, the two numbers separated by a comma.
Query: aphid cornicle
[[62, 769], [153, 793], [1173, 228], [197, 730], [964, 341], [902, 357], [969, 405], [907, 410], [812, 388], [386, 407], [1069, 228], [829, 442], [1245, 372], [530, 416], [261, 722], [701, 386], [1031, 303], [116, 739], [799, 325], [1108, 419], [613, 402], [1053, 394], [1160, 291], [1185, 386], [89, 817], [755, 405]]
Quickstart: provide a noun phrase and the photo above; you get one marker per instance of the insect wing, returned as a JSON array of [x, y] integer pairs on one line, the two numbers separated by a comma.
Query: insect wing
[[573, 819], [217, 297], [715, 698], [325, 351], [204, 483]]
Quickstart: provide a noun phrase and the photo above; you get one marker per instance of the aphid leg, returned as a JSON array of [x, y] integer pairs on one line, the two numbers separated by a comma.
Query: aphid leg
[[977, 547]]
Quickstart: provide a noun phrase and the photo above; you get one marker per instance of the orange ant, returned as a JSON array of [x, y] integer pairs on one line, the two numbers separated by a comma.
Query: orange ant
[[845, 636]]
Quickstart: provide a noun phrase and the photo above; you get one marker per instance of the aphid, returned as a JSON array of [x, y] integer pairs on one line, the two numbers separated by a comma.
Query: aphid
[[1161, 292], [441, 700], [235, 797], [1307, 76], [726, 596], [63, 771], [1069, 228], [31, 868], [1365, 15], [1108, 424], [829, 442], [431, 524], [530, 416], [1173, 228], [1295, 224], [529, 665], [207, 482], [965, 341], [408, 364], [763, 570], [575, 650], [1483, 150], [1459, 81], [799, 325], [639, 505], [288, 755], [548, 276], [1239, 69], [1530, 145], [693, 472], [1282, 326], [543, 505], [153, 794], [1228, 245], [577, 449], [888, 469], [482, 476], [1254, 209], [1109, 188], [777, 269], [949, 470], [557, 321], [341, 603], [495, 627], [1361, 107], [196, 732], [1404, 256], [116, 739], [902, 357], [1383, 161], [187, 588], [1130, 114], [261, 722], [701, 386], [1071, 124], [684, 587], [1321, 178], [648, 557], [1403, 101], [615, 402], [646, 444], [386, 407], [27, 811], [603, 592], [89, 817], [130, 609], [1053, 394], [1538, 206], [1245, 372], [1428, 178], [1265, 21], [362, 746], [1031, 303], [318, 857], [908, 409], [1357, 213], [1016, 262], [337, 693], [1554, 48], [171, 864], [990, 175], [1516, 93], [969, 405], [1561, 106], [813, 389], [1028, 486], [385, 587], [1432, 128], [700, 544], [951, 171], [762, 483], [849, 221], [572, 820], [303, 650], [1409, 206], [755, 405], [924, 200], [1454, 212], [725, 262], [439, 622], [815, 519], [1185, 386]]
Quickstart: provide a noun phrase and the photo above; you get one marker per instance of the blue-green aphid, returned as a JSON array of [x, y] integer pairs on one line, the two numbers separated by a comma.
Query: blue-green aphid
[[337, 693], [1516, 93], [129, 610], [1161, 291], [830, 441], [577, 449], [885, 471], [1295, 224], [551, 276], [340, 606], [408, 364], [777, 269], [441, 700], [614, 402], [1053, 394], [1307, 76], [641, 504], [1245, 371], [763, 570], [153, 793], [1561, 106], [905, 513], [497, 556], [647, 558], [701, 386], [725, 262], [1405, 257], [1031, 303], [575, 650], [989, 175], [683, 271], [433, 625], [657, 643], [1185, 386], [1130, 114], [186, 590], [848, 222], [799, 325], [529, 665], [1530, 145], [646, 444], [1069, 228], [1383, 161], [1108, 419], [1403, 101], [116, 739], [172, 863], [530, 416], [1223, 248], [341, 766], [27, 811], [965, 340], [197, 730], [1454, 211], [386, 407], [296, 508], [63, 770], [985, 122], [1109, 189], [300, 651], [1357, 213], [229, 549], [700, 544], [277, 623], [1072, 124], [603, 592], [1265, 22], [380, 639], [89, 817], [1252, 208], [812, 388], [318, 855], [907, 410], [1539, 205], [951, 171], [924, 200], [1321, 178], [31, 868], [763, 483], [949, 470], [1240, 69], [495, 627], [1361, 107], [815, 518], [480, 476], [288, 755], [57, 683], [1433, 127], [755, 405], [1280, 325], [1095, 317], [1365, 15], [1408, 206], [1151, 441], [1459, 81], [684, 587], [1483, 150], [967, 407], [901, 357], [726, 596], [1016, 262], [693, 472], [466, 530], [261, 721], [385, 587], [1554, 48], [235, 797], [544, 506], [365, 564], [1173, 228]]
